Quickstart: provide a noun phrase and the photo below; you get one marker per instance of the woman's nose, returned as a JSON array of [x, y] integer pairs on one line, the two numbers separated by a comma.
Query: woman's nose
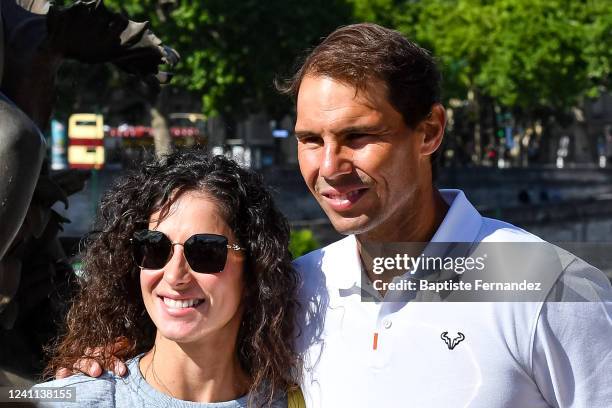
[[176, 271]]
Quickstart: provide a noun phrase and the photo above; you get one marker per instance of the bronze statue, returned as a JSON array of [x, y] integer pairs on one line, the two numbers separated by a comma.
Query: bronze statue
[[35, 37]]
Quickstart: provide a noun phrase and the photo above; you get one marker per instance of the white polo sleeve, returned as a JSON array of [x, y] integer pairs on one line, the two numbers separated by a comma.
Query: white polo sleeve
[[572, 341]]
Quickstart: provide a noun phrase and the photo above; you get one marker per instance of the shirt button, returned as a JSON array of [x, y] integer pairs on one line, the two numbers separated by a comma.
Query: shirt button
[[387, 323]]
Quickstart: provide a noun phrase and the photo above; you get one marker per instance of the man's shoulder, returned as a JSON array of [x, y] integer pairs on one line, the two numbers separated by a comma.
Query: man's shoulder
[[572, 278], [493, 230]]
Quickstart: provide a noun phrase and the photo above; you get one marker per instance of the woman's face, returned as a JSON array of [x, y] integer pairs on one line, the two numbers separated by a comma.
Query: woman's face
[[169, 292]]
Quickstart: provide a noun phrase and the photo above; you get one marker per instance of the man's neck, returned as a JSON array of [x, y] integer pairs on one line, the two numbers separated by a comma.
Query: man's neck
[[417, 225], [195, 372]]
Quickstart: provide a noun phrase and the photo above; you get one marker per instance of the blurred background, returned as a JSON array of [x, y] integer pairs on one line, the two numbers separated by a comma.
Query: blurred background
[[526, 87]]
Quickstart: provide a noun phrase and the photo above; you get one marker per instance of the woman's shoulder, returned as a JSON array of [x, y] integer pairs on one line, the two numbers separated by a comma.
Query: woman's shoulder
[[81, 391], [104, 391]]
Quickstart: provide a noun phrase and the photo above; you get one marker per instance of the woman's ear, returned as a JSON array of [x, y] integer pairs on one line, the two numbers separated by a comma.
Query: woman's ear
[[433, 129]]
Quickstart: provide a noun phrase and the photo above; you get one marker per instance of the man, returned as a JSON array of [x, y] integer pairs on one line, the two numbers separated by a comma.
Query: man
[[369, 122]]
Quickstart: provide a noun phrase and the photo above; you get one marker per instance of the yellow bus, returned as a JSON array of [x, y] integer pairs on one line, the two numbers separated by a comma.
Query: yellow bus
[[86, 141]]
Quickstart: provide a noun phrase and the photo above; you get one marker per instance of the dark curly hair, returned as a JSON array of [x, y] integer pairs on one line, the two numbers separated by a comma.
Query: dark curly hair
[[109, 305]]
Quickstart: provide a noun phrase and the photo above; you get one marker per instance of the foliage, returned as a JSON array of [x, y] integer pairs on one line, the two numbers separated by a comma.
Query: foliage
[[524, 53], [302, 241], [389, 13], [527, 54], [233, 50]]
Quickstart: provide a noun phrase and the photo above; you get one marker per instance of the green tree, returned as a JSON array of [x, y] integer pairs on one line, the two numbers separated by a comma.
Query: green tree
[[524, 53], [302, 241], [233, 50], [534, 58]]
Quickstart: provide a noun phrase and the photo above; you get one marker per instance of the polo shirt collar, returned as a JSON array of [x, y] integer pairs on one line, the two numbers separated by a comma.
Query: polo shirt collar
[[461, 223], [342, 260]]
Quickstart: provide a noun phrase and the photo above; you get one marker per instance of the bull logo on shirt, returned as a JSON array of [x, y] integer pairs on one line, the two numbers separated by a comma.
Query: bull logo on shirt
[[452, 343]]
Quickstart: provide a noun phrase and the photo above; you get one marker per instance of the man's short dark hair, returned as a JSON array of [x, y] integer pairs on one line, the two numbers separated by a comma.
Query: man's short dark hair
[[358, 53]]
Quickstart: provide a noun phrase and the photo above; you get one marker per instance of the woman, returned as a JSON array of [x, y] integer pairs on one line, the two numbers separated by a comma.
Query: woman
[[190, 268]]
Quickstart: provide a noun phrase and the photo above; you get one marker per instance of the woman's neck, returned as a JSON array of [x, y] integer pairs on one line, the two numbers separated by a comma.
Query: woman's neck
[[195, 372]]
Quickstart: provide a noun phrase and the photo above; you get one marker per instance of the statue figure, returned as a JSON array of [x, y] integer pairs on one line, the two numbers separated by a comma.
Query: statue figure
[[35, 37]]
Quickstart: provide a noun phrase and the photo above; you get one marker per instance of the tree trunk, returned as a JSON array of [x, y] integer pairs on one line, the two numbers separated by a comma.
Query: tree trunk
[[161, 133]]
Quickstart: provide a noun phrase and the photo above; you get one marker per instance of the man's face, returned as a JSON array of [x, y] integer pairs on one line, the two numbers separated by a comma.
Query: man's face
[[359, 159]]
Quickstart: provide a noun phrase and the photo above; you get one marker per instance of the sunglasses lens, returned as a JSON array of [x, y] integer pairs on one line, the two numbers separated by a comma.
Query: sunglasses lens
[[151, 249], [206, 253]]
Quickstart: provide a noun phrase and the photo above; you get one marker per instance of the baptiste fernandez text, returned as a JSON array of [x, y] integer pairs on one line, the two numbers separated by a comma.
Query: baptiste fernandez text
[[439, 286]]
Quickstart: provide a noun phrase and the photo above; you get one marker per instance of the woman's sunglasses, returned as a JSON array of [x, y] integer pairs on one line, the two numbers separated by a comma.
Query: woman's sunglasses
[[205, 253]]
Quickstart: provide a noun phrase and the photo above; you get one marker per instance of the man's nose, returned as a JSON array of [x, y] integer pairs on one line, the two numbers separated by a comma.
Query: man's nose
[[336, 161], [176, 271]]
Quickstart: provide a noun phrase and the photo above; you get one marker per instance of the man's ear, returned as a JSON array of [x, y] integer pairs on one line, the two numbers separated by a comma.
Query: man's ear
[[433, 129]]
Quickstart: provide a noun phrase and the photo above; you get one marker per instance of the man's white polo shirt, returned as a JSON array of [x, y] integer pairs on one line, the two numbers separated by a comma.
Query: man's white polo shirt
[[392, 354]]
